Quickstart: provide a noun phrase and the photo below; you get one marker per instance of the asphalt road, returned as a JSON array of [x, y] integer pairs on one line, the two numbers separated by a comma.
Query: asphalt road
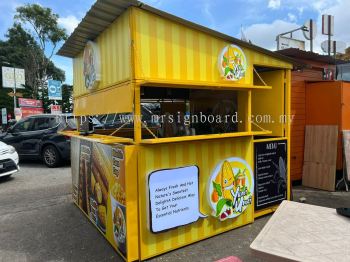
[[38, 222]]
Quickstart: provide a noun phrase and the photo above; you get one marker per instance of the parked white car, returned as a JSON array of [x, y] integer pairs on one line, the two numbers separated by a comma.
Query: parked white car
[[8, 160]]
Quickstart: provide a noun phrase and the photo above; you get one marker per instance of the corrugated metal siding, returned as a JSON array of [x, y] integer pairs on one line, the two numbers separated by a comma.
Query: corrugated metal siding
[[115, 52], [206, 155], [166, 50]]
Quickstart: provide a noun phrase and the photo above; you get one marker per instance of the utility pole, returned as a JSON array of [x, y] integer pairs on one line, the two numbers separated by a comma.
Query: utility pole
[[14, 90], [311, 35], [14, 87], [329, 35]]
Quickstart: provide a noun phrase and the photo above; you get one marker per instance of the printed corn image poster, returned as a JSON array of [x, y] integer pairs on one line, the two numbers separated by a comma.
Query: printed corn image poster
[[118, 202], [75, 152], [99, 188], [84, 175], [101, 170]]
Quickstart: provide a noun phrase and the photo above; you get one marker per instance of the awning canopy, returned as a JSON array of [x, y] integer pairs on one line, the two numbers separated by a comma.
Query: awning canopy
[[104, 12]]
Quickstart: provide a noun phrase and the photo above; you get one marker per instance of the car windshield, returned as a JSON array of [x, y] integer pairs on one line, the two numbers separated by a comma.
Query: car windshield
[[22, 125], [71, 122]]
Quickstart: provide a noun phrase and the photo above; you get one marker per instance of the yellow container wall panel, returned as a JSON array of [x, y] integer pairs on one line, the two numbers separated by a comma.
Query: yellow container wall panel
[[166, 50], [131, 196], [206, 155], [119, 99], [78, 79], [114, 45], [268, 107]]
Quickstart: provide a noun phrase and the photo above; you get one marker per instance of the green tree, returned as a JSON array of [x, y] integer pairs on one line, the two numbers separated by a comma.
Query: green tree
[[345, 56], [41, 23], [67, 99], [21, 50]]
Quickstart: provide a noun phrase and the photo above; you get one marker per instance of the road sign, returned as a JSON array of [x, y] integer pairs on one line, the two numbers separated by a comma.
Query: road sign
[[18, 94], [56, 109], [328, 25], [18, 113], [286, 42], [55, 90], [4, 116], [11, 75], [28, 111], [310, 31], [28, 102]]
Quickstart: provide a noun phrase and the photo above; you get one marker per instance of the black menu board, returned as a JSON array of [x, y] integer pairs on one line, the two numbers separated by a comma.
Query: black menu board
[[270, 164]]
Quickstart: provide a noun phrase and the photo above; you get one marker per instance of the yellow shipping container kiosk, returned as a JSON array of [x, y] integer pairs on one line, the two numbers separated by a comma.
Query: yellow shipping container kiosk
[[191, 128]]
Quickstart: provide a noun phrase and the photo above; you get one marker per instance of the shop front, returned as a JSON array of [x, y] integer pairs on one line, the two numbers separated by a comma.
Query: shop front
[[191, 129]]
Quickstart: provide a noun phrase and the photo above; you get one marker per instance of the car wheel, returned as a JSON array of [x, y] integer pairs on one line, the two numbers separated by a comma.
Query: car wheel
[[50, 156], [6, 177]]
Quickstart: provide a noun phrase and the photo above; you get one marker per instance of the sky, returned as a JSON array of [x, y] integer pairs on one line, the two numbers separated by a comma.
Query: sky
[[261, 20]]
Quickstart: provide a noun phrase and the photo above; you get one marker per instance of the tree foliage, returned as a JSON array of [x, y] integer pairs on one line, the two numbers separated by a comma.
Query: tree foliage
[[44, 23], [41, 24], [345, 56], [30, 44], [67, 99]]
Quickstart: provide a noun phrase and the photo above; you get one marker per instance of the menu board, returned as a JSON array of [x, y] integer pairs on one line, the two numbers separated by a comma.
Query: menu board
[[270, 173], [174, 198]]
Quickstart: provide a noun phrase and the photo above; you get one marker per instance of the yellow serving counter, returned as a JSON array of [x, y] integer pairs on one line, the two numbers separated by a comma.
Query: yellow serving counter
[[150, 177]]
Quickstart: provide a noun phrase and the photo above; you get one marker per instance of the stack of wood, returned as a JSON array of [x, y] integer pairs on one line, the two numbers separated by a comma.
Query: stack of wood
[[320, 157]]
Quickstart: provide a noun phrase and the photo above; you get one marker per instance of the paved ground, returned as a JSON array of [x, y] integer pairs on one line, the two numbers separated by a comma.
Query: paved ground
[[38, 222]]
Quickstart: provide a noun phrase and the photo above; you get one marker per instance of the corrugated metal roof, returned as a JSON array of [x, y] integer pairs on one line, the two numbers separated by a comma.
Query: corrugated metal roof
[[306, 55], [104, 12], [96, 20]]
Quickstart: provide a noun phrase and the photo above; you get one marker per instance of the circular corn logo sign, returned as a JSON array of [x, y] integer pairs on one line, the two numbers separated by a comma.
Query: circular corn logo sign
[[231, 188], [232, 63], [92, 68]]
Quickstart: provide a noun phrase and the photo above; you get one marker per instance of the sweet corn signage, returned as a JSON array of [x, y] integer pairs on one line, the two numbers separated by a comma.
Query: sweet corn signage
[[98, 173], [92, 67], [231, 188], [232, 63], [174, 198]]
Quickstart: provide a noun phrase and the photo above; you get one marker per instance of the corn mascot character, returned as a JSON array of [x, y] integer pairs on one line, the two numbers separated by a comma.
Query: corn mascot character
[[226, 180], [222, 196]]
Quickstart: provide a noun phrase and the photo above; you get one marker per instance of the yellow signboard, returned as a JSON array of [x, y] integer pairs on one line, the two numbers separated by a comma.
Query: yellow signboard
[[100, 191], [231, 188]]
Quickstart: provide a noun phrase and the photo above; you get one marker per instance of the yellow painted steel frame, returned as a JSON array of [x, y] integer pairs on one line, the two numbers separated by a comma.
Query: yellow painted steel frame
[[166, 54], [286, 132], [181, 151], [132, 203], [166, 50], [206, 155]]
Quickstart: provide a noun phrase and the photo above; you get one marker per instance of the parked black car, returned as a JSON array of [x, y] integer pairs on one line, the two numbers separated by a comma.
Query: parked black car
[[36, 137]]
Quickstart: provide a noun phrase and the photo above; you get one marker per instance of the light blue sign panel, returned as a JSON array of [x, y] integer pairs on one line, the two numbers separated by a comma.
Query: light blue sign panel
[[55, 90]]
